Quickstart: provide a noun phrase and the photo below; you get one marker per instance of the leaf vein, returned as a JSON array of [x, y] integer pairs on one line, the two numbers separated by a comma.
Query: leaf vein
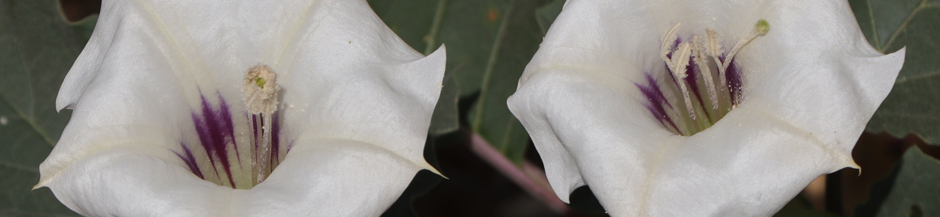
[[894, 36], [490, 64], [874, 29], [32, 123], [435, 27], [19, 167], [917, 77]]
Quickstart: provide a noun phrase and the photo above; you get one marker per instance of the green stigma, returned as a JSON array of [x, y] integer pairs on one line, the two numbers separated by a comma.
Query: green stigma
[[260, 82], [762, 26]]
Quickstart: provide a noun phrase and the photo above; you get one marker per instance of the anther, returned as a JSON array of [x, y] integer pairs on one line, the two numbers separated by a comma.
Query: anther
[[680, 60], [712, 46], [714, 50], [261, 89], [699, 57], [670, 37]]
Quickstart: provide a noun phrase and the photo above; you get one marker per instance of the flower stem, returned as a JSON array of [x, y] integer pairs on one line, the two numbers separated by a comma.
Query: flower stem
[[529, 177]]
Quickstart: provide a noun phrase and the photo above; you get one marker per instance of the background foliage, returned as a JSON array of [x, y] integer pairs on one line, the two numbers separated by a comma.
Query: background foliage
[[37, 48], [489, 42], [889, 25]]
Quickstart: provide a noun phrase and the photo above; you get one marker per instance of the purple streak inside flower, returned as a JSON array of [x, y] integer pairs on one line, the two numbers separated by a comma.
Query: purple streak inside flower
[[190, 161], [254, 122], [656, 102], [228, 128], [733, 77], [275, 139], [215, 131]]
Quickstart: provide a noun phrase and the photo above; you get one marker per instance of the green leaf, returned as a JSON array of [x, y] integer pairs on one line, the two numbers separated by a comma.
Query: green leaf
[[489, 42], [910, 189], [546, 15], [37, 49], [890, 25]]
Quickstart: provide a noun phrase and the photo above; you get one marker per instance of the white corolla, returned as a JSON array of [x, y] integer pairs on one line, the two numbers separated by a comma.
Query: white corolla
[[242, 108], [700, 108]]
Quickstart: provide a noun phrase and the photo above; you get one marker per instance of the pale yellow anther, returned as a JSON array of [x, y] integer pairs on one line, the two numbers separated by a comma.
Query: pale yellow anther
[[711, 43], [670, 37], [714, 50], [680, 60], [700, 59]]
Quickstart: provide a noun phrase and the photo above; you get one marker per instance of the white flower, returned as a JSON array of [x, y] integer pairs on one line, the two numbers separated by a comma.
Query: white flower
[[604, 108], [162, 97]]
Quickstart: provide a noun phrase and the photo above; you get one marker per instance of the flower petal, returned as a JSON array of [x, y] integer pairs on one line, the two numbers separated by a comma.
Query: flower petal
[[331, 178], [137, 181], [346, 52], [356, 106], [811, 84], [337, 178]]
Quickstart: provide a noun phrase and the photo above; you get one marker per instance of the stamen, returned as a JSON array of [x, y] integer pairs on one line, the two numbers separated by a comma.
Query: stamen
[[261, 99], [698, 56], [680, 60], [713, 47], [714, 50], [670, 37]]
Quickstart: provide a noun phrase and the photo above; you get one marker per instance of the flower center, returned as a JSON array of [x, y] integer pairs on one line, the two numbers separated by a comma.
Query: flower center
[[238, 163], [695, 67]]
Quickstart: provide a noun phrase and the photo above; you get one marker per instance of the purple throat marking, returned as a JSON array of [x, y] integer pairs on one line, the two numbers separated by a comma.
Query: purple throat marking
[[216, 131]]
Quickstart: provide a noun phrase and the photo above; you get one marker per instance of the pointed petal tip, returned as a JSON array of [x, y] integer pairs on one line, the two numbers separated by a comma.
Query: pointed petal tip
[[423, 76], [564, 194], [43, 182], [850, 163], [62, 103], [439, 57], [438, 60], [897, 57], [441, 50], [424, 165]]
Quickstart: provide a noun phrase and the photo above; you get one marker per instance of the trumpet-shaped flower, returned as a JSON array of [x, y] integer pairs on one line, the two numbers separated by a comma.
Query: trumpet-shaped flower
[[242, 108], [700, 108]]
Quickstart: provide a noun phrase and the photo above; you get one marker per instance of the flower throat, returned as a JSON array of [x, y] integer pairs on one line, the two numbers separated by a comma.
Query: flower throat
[[693, 66], [238, 163]]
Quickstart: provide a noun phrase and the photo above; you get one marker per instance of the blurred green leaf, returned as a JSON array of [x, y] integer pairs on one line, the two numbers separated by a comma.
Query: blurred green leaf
[[37, 49], [546, 15], [911, 189], [889, 25], [489, 42]]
